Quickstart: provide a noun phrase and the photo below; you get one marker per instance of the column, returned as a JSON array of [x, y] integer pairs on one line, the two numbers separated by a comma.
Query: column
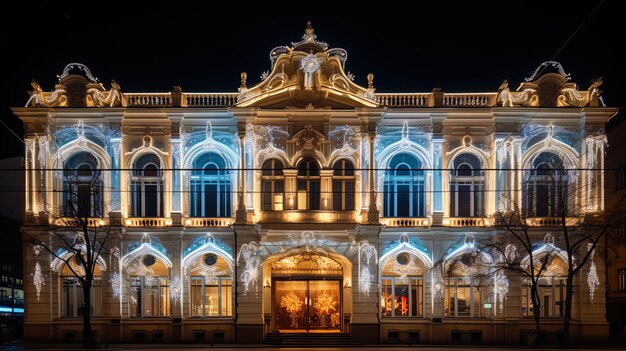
[[372, 213], [326, 196], [242, 214], [290, 189]]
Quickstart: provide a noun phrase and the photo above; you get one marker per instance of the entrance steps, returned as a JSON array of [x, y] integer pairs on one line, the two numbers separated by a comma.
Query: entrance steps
[[309, 339]]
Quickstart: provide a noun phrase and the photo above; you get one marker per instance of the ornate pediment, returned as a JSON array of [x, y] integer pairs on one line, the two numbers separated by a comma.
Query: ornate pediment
[[307, 75], [550, 86], [77, 87]]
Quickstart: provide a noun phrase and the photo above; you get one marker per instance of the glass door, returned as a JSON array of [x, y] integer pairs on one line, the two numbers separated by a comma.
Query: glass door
[[307, 305]]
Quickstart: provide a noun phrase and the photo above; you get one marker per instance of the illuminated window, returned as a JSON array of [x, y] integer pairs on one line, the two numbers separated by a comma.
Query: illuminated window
[[82, 186], [210, 190], [551, 297], [272, 186], [211, 296], [467, 187], [147, 187], [343, 186], [149, 296], [404, 187], [308, 185], [72, 298], [464, 298], [402, 297], [546, 190]]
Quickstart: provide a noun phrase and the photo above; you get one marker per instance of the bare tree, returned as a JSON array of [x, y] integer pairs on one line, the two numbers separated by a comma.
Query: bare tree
[[580, 244], [514, 232], [78, 237]]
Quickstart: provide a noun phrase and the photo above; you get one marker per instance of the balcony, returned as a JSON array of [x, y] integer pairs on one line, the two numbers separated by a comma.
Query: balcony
[[207, 222], [72, 222], [148, 222], [308, 216], [553, 221], [406, 222], [467, 222]]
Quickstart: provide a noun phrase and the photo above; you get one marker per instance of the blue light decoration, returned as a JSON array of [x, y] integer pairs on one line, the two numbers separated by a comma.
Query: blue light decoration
[[406, 243], [148, 245], [207, 244], [154, 242], [109, 138], [203, 240]]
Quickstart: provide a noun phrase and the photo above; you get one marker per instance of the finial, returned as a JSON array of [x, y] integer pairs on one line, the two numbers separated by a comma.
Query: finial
[[308, 32], [244, 76], [370, 80]]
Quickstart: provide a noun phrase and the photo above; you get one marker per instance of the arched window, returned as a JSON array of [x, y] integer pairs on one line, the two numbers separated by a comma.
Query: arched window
[[147, 187], [308, 185], [82, 186], [467, 184], [210, 191], [404, 187], [272, 185], [343, 185], [72, 297], [211, 287], [546, 188], [553, 265]]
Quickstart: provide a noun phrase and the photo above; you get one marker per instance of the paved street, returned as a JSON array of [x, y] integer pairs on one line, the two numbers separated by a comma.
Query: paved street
[[160, 347]]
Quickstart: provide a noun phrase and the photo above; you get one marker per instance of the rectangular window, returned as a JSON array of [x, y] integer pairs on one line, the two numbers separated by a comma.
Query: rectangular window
[[621, 279], [402, 297], [149, 297], [551, 298], [211, 297], [464, 299], [72, 298]]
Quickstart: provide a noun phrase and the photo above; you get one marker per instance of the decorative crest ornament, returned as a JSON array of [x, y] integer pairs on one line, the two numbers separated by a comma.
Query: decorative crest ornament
[[542, 67], [309, 40], [80, 67]]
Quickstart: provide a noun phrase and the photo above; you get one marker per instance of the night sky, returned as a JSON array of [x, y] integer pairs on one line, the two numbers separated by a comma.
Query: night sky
[[460, 47]]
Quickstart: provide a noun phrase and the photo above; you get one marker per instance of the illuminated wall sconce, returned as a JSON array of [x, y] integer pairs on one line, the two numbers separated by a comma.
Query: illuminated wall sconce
[[100, 222], [188, 222], [128, 222]]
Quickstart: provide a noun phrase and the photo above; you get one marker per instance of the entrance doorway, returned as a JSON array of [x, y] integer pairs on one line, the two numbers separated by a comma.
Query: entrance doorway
[[307, 305]]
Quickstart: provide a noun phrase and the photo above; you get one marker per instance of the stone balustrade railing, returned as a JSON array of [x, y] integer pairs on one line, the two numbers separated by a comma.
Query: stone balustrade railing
[[405, 100], [149, 99], [469, 100], [553, 221], [207, 222], [147, 222], [406, 222], [73, 222], [210, 99], [467, 222]]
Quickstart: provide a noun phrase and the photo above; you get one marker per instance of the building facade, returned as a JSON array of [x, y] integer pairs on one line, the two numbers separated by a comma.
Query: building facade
[[306, 203]]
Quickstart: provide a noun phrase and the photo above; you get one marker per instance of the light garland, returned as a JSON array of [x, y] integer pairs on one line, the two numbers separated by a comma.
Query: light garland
[[593, 282]]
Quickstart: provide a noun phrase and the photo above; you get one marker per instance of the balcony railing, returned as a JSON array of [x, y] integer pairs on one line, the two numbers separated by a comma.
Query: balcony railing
[[469, 100], [467, 221], [73, 222], [404, 100], [308, 216], [553, 221], [207, 222], [406, 222], [149, 99], [210, 99], [147, 222]]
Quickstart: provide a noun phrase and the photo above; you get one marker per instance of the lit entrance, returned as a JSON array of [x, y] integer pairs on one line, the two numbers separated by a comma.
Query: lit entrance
[[306, 295]]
